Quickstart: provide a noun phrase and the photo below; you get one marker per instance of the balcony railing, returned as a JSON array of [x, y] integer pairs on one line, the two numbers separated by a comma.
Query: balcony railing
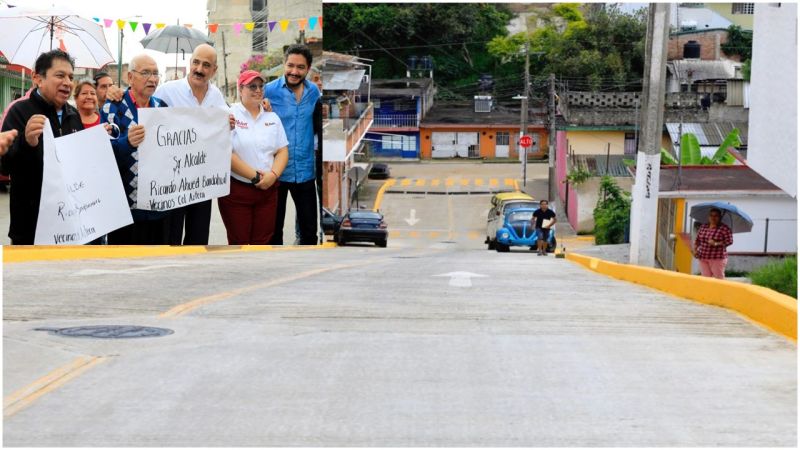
[[396, 121]]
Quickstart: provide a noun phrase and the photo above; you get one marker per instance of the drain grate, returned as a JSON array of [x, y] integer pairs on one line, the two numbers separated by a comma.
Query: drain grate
[[109, 331]]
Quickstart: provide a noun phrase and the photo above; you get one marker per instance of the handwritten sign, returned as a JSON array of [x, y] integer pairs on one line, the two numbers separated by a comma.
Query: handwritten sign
[[82, 194], [185, 157]]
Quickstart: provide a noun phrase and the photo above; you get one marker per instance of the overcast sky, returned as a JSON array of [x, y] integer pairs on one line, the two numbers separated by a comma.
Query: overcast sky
[[151, 11]]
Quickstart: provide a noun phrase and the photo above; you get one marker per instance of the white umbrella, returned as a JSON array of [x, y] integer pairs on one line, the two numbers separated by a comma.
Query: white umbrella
[[174, 39], [26, 33]]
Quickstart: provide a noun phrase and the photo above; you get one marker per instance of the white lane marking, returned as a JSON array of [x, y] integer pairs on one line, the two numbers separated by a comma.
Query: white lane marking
[[461, 279]]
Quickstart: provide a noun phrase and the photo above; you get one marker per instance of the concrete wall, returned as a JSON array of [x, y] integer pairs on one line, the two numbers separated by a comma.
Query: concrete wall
[[585, 200], [709, 41], [772, 146], [239, 47], [595, 142]]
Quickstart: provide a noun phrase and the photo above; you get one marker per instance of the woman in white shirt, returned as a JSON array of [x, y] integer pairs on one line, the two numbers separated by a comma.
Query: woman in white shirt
[[260, 153]]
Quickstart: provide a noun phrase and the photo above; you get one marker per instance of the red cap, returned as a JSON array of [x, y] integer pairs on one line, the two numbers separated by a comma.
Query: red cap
[[247, 76]]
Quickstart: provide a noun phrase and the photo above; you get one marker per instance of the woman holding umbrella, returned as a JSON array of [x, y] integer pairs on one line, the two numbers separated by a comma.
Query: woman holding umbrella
[[710, 245]]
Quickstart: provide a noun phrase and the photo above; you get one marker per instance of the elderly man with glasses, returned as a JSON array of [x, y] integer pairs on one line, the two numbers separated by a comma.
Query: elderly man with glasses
[[148, 227]]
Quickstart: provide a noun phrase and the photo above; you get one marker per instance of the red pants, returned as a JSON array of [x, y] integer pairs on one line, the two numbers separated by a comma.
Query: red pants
[[249, 213], [713, 268]]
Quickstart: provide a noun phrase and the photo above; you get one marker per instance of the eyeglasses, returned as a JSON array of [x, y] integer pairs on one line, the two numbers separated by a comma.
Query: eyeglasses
[[147, 73], [255, 87]]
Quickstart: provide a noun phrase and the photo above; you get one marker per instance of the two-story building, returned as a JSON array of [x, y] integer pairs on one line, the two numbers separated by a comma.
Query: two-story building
[[400, 105]]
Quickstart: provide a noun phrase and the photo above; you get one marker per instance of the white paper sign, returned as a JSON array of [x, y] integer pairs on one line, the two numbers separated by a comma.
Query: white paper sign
[[185, 157], [82, 194]]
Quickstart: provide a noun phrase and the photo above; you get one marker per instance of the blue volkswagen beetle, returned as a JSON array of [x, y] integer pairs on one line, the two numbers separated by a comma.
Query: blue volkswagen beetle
[[518, 231]]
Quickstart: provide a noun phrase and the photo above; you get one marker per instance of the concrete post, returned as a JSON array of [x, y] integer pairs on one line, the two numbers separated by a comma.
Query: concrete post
[[551, 140], [644, 209]]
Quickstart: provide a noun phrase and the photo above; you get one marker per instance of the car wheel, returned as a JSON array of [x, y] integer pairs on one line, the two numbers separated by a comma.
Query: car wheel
[[382, 243], [501, 248], [491, 244], [340, 240]]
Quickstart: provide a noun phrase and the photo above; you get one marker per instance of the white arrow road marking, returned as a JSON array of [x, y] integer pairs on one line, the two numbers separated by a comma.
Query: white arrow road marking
[[461, 279], [90, 272], [411, 221]]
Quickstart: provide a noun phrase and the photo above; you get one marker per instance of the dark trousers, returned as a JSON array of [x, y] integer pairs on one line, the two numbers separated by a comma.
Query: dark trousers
[[144, 232], [249, 213], [304, 196], [197, 218]]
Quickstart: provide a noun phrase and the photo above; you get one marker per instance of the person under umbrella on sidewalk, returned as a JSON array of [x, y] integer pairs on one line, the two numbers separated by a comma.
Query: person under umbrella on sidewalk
[[710, 245], [24, 162], [194, 91], [148, 227]]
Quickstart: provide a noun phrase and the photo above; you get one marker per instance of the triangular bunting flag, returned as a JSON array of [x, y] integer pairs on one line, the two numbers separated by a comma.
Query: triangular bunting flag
[[272, 25], [108, 22], [133, 25], [320, 21], [188, 25], [120, 24], [312, 22], [284, 24], [301, 23], [146, 27], [249, 26], [96, 19], [61, 45], [212, 27], [237, 27], [160, 26]]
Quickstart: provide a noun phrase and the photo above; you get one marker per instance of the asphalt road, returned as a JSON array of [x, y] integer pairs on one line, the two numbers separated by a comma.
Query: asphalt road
[[423, 343]]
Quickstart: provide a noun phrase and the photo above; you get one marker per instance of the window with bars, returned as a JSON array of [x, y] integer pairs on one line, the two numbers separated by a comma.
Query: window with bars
[[399, 143], [503, 137], [742, 8]]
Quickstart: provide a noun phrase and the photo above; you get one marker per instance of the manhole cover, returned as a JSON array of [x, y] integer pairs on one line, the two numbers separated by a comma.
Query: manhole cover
[[109, 331]]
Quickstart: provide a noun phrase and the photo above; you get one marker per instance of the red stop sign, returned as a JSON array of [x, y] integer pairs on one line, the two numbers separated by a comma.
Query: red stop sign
[[526, 141]]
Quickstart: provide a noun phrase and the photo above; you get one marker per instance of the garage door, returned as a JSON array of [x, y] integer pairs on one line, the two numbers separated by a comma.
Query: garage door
[[449, 145]]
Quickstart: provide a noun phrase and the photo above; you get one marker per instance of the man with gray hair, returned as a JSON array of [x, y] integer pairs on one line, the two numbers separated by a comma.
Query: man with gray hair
[[148, 227], [194, 91]]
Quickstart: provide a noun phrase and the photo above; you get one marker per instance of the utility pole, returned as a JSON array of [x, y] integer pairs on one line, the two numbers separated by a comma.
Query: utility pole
[[119, 59], [524, 114], [225, 64], [648, 162], [551, 140]]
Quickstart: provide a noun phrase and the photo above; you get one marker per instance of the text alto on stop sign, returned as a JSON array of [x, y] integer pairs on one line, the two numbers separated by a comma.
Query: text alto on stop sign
[[526, 141]]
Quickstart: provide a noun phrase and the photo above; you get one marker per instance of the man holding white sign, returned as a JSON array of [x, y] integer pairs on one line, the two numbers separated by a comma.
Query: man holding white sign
[[150, 226], [185, 158], [194, 91], [82, 197]]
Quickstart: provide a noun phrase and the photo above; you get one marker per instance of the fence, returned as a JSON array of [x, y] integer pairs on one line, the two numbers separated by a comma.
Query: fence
[[396, 121]]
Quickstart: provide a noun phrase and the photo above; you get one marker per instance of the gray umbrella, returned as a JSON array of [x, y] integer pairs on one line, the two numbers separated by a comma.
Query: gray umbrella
[[174, 39], [735, 218]]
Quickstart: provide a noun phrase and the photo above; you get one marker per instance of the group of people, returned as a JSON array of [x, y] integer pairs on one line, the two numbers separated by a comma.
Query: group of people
[[276, 136]]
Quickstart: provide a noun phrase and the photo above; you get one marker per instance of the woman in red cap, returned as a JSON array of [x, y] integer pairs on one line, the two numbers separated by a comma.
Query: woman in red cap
[[260, 153]]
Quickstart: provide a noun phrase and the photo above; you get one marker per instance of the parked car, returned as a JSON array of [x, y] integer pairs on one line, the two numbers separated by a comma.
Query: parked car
[[362, 226], [518, 231], [330, 221], [501, 203], [379, 171]]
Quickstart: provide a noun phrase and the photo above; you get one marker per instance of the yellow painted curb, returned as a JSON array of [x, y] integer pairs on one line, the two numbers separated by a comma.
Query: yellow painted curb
[[379, 198], [29, 253], [773, 310]]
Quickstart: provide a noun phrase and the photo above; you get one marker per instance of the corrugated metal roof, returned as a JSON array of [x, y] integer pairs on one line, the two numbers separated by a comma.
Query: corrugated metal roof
[[698, 70], [596, 164], [345, 80], [708, 134]]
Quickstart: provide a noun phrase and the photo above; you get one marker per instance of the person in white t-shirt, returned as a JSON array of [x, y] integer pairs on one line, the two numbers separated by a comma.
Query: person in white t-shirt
[[260, 154], [194, 91]]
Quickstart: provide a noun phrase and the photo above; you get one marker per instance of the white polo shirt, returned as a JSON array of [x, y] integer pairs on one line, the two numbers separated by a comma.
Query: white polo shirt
[[257, 139], [178, 93]]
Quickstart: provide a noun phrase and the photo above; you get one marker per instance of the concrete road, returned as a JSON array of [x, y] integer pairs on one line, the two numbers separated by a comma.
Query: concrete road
[[434, 341], [381, 347]]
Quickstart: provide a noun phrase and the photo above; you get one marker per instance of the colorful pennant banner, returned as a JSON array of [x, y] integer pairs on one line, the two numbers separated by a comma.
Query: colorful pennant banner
[[304, 23]]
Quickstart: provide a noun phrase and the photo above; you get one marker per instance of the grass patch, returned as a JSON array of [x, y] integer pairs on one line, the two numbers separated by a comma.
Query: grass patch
[[735, 273], [779, 276], [585, 232]]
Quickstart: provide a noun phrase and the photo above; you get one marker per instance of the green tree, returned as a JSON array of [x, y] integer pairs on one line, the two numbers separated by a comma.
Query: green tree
[[612, 213], [739, 43]]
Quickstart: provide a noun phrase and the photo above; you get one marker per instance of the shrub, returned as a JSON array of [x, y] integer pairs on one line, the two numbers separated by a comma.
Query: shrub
[[779, 276], [612, 213]]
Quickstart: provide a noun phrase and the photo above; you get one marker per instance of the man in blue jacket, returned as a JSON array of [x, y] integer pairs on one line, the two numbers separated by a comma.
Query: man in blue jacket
[[148, 227], [293, 98]]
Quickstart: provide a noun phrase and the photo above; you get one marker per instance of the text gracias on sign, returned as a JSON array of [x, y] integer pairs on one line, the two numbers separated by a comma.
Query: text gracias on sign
[[168, 138]]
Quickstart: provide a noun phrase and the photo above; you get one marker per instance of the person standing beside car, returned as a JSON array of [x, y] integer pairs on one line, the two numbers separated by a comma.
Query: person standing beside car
[[544, 213], [710, 245]]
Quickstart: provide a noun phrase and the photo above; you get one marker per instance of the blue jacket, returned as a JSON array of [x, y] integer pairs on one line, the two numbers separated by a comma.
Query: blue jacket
[[124, 114], [297, 119]]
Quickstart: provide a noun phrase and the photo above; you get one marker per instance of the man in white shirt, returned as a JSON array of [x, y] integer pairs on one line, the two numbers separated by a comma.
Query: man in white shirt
[[197, 91]]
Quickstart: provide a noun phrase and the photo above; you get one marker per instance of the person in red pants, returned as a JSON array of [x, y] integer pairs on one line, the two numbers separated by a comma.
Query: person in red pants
[[260, 154]]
